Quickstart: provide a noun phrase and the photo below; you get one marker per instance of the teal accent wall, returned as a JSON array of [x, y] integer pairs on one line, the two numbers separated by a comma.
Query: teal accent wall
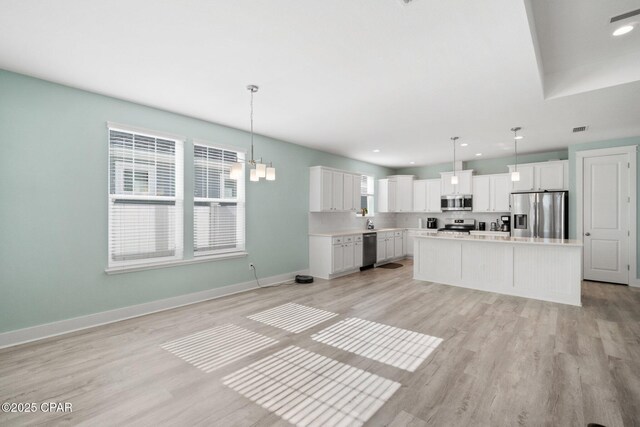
[[53, 214], [483, 166], [572, 182]]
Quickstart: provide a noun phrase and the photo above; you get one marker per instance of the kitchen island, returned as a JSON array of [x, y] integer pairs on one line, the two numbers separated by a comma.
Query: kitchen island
[[543, 269]]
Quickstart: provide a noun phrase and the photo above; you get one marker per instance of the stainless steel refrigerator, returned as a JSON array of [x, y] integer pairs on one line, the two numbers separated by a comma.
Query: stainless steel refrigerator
[[540, 214]]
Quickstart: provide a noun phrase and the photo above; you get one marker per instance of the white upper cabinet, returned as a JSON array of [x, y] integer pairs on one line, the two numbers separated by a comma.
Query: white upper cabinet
[[481, 193], [434, 192], [395, 194], [338, 191], [464, 186], [526, 182], [332, 190], [404, 193], [552, 175], [420, 195], [491, 193], [500, 190], [347, 200]]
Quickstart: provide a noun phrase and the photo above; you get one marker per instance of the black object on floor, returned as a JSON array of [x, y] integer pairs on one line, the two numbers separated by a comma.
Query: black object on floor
[[301, 278], [391, 265]]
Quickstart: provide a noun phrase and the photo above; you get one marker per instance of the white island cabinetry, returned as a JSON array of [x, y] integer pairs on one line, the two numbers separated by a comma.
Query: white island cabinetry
[[543, 269]]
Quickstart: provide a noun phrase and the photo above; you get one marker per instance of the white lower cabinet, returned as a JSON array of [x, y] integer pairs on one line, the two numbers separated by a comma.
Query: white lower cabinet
[[381, 253], [337, 255], [390, 245], [333, 256], [357, 253], [348, 257]]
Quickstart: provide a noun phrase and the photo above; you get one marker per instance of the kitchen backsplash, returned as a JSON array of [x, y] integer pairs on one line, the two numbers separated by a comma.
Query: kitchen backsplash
[[322, 222], [410, 220]]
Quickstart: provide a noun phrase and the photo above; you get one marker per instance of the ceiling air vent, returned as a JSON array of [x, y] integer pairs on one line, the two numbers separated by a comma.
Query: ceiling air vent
[[580, 129]]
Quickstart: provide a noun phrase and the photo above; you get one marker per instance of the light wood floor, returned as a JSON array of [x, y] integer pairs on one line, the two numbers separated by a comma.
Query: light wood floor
[[504, 361]]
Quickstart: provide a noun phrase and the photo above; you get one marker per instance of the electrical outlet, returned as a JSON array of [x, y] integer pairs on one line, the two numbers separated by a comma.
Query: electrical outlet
[[252, 266]]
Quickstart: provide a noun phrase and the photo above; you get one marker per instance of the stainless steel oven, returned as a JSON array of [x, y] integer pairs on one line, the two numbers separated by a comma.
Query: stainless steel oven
[[456, 202]]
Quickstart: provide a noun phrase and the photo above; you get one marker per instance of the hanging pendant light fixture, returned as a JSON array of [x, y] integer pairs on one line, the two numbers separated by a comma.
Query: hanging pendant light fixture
[[454, 178], [258, 169], [515, 175]]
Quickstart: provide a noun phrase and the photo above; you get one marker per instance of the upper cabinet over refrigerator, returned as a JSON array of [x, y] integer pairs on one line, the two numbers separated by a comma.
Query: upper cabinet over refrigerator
[[552, 175]]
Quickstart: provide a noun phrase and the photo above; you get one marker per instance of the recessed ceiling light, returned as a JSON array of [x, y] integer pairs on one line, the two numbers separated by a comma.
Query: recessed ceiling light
[[464, 144], [412, 163], [623, 30], [478, 154], [376, 151]]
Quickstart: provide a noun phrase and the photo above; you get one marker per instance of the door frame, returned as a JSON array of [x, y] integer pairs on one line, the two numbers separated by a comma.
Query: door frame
[[631, 151]]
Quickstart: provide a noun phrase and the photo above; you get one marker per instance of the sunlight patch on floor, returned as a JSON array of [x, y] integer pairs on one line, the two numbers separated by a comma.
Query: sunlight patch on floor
[[397, 347], [293, 317], [216, 347], [308, 389]]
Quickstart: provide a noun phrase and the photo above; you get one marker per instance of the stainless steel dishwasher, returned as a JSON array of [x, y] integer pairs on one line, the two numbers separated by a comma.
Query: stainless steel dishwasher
[[369, 249]]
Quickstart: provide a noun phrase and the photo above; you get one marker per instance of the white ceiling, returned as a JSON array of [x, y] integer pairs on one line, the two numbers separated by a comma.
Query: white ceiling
[[342, 76]]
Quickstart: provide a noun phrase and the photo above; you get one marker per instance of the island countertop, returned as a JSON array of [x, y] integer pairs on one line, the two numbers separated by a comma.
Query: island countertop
[[501, 239]]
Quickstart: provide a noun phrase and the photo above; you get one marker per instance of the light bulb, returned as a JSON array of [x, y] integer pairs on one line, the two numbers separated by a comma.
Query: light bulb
[[515, 176], [236, 171], [261, 169], [454, 180], [271, 173], [623, 30], [253, 175]]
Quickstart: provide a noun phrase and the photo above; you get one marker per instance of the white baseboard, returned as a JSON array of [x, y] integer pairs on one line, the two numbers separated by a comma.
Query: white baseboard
[[47, 330]]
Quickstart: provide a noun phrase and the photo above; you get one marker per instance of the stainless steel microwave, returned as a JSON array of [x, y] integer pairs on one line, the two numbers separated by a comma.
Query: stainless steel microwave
[[456, 202]]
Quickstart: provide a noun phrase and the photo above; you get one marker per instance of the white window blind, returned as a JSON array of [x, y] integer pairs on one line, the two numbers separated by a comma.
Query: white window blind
[[219, 211], [145, 198]]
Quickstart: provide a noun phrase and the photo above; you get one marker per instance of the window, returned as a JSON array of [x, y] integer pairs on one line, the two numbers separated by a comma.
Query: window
[[218, 211], [367, 188], [145, 198]]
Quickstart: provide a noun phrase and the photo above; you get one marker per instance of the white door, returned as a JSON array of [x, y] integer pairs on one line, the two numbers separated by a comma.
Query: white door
[[347, 192], [338, 258], [349, 258], [357, 254], [465, 182], [327, 191], [606, 218], [481, 194], [500, 191], [338, 189]]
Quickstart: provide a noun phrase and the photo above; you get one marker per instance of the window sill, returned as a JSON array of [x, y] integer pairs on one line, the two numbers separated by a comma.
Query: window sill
[[166, 264]]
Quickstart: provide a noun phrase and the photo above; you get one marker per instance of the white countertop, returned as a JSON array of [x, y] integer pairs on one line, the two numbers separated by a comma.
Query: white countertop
[[352, 232], [504, 239]]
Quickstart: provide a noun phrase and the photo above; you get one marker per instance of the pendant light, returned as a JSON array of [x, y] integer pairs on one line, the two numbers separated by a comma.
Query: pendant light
[[258, 168], [454, 177], [515, 175]]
